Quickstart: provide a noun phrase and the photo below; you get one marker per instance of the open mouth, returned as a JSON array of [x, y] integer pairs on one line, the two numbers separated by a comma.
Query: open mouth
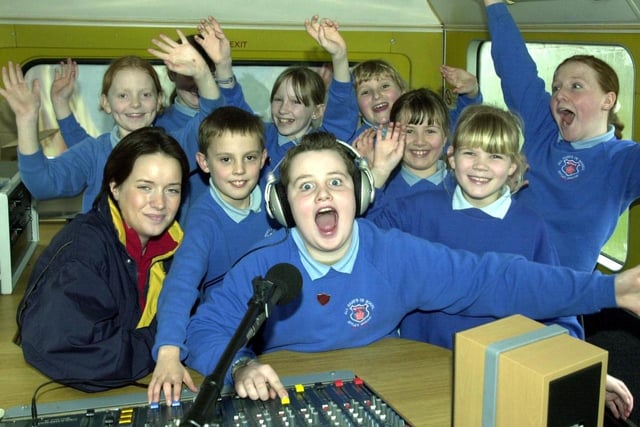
[[327, 220], [566, 116], [379, 107]]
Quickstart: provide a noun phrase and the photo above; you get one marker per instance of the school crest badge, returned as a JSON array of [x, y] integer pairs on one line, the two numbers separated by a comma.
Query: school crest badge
[[359, 312], [570, 167]]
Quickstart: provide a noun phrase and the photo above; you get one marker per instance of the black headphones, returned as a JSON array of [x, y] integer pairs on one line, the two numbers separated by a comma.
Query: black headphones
[[275, 195]]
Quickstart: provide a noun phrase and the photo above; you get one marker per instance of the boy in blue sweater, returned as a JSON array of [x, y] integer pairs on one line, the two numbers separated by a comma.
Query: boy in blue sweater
[[222, 224], [359, 281]]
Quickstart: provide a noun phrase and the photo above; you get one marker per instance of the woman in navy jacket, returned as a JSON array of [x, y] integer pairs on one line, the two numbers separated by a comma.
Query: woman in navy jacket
[[88, 315]]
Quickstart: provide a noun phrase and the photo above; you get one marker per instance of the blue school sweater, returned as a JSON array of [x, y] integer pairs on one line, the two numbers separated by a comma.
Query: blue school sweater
[[175, 116], [580, 188], [403, 183], [430, 215]]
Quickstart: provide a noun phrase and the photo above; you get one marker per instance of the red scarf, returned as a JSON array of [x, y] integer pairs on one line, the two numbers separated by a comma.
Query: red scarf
[[156, 246]]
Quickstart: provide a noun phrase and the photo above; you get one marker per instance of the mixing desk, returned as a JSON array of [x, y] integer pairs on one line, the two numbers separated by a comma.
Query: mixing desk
[[336, 398]]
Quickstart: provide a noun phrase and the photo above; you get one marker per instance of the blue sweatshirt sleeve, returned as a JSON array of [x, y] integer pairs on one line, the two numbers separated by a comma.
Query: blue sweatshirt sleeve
[[234, 96], [523, 90], [63, 176], [463, 102], [208, 332], [500, 285], [341, 113], [181, 286], [436, 277], [72, 132]]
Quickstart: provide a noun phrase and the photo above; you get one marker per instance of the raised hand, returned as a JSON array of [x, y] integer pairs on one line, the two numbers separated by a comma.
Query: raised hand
[[214, 42], [364, 144], [179, 57], [326, 33], [388, 151], [22, 96], [182, 58], [461, 81], [24, 100], [64, 81]]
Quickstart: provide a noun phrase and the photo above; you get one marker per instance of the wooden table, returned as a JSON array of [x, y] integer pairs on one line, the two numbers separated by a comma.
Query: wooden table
[[414, 378]]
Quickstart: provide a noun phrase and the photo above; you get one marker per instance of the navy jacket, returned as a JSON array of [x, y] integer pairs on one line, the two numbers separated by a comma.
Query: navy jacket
[[80, 321]]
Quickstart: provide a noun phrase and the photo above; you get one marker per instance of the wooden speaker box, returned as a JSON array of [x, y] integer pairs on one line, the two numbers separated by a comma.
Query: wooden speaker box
[[519, 372]]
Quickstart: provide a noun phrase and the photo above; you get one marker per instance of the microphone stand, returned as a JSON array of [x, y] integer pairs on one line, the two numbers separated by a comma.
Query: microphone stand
[[204, 407]]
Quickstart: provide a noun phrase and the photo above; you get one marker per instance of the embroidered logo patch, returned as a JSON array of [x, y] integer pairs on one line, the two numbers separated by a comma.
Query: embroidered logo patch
[[570, 167], [359, 311]]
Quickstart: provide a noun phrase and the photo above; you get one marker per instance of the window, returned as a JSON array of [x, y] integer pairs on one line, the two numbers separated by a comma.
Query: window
[[256, 79]]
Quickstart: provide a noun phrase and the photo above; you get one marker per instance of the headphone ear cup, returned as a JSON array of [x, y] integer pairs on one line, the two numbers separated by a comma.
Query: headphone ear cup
[[277, 205], [357, 189], [364, 191], [287, 216], [364, 188]]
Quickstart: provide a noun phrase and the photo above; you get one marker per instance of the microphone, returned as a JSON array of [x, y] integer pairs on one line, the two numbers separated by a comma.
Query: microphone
[[281, 285], [286, 281]]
